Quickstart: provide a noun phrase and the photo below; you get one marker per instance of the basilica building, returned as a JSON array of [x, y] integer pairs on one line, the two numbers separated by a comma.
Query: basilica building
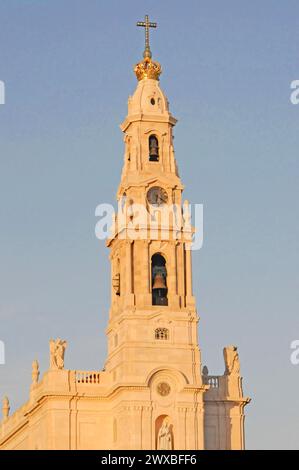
[[153, 392]]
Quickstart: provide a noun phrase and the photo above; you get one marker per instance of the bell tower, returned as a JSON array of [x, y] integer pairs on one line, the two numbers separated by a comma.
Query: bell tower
[[153, 319]]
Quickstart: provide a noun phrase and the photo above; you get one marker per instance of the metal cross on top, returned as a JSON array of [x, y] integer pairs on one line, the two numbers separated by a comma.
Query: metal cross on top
[[147, 25]]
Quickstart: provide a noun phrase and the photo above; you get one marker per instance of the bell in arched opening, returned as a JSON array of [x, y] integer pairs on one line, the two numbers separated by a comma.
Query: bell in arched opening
[[153, 148], [159, 277], [159, 282]]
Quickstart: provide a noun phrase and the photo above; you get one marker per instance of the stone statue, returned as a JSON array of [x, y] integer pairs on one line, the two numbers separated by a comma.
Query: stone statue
[[164, 436], [231, 360], [35, 372], [187, 215], [205, 375], [57, 350]]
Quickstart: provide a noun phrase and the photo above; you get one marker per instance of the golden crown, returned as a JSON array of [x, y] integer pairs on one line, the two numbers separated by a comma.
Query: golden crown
[[148, 68]]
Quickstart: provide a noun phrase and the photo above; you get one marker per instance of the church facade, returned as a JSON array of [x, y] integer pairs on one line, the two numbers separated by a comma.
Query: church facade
[[152, 392]]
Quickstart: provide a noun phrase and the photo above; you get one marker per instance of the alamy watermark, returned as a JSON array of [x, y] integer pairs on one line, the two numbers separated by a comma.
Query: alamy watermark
[[141, 222], [294, 97], [294, 357], [2, 92]]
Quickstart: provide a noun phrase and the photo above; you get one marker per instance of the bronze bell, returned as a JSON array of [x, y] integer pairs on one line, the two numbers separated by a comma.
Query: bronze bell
[[159, 282], [154, 150]]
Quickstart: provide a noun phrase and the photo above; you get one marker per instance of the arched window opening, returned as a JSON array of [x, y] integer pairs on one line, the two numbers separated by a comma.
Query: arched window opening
[[159, 280], [153, 148], [162, 333]]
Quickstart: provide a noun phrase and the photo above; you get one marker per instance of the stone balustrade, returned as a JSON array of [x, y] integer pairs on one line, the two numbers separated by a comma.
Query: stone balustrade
[[87, 377], [213, 381]]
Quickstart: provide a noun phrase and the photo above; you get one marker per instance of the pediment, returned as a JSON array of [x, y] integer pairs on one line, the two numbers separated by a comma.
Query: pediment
[[172, 182]]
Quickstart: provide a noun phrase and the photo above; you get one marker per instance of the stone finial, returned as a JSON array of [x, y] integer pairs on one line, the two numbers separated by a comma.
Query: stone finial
[[231, 360], [5, 407], [57, 351], [35, 372]]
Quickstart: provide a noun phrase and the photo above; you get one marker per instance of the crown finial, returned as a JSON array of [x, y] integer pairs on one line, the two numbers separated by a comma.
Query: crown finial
[[147, 68]]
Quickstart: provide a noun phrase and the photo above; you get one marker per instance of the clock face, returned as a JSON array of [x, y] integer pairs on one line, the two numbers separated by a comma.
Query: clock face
[[157, 196]]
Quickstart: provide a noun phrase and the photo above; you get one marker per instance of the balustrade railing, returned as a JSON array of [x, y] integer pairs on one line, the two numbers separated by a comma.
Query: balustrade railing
[[212, 380], [87, 377]]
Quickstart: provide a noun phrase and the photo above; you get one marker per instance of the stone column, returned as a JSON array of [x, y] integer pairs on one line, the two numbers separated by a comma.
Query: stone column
[[147, 273], [147, 425], [128, 267], [129, 274], [235, 425], [181, 273], [200, 410], [172, 273], [181, 444], [190, 301], [112, 274], [73, 425], [146, 267], [190, 442]]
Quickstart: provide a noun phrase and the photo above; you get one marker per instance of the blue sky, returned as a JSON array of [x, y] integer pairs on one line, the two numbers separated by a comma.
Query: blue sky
[[227, 69]]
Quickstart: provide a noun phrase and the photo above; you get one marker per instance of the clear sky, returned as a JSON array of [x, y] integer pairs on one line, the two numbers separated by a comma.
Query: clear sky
[[227, 69]]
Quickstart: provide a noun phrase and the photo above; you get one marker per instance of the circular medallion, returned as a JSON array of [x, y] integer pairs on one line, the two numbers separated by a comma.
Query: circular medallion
[[157, 196], [163, 389]]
